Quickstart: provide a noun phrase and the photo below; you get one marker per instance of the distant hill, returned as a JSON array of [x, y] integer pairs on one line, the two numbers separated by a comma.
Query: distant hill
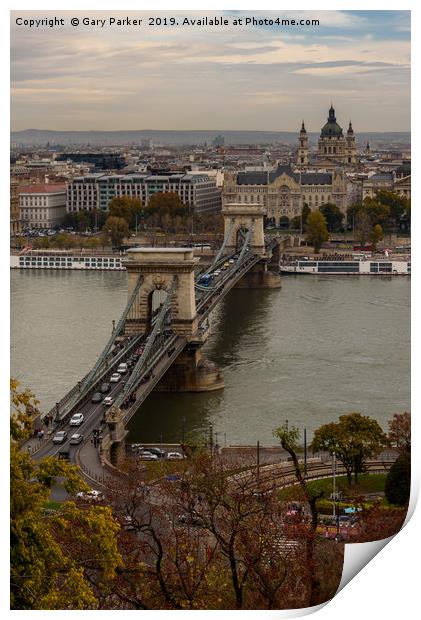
[[36, 137]]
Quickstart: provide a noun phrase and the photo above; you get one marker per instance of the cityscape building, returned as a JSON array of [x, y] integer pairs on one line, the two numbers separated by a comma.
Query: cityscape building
[[42, 206], [95, 191]]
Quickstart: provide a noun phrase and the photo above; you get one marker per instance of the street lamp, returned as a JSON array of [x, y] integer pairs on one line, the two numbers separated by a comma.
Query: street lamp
[[211, 438]]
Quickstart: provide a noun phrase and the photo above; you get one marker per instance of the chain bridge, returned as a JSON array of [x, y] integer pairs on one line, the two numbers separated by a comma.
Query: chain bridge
[[161, 332]]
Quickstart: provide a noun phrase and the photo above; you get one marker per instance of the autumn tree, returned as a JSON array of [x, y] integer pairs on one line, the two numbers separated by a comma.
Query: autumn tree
[[378, 213], [130, 209], [289, 436], [305, 212], [399, 435], [397, 204], [163, 207], [376, 235], [354, 439], [333, 216], [117, 229], [61, 559], [316, 230]]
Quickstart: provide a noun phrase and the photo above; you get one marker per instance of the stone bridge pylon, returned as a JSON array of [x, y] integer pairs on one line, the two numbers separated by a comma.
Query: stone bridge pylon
[[241, 221]]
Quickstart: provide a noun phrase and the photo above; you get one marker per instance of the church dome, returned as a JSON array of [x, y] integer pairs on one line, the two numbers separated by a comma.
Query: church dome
[[331, 128]]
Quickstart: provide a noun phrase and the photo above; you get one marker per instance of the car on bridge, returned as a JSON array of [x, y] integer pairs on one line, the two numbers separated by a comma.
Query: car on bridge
[[123, 368], [115, 378], [77, 419], [158, 451], [76, 439], [108, 401], [105, 388], [96, 398], [60, 437]]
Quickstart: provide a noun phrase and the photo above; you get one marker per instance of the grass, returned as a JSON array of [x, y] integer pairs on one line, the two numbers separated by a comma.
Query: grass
[[367, 483], [51, 505]]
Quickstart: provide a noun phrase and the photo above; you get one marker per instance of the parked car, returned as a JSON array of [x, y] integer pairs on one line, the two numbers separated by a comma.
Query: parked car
[[115, 378], [175, 456], [60, 437], [105, 387], [108, 401], [76, 439], [123, 368], [136, 447], [77, 419], [97, 397], [159, 453], [145, 455]]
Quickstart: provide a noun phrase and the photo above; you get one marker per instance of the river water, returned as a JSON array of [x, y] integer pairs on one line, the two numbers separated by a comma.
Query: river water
[[319, 347]]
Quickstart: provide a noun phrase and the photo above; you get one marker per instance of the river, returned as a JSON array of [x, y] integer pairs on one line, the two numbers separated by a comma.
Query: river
[[319, 347]]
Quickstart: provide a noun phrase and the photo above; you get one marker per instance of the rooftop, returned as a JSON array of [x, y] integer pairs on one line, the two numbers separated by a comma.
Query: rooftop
[[45, 188]]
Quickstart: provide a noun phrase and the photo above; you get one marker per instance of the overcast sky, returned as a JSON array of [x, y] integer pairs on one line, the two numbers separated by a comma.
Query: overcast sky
[[263, 78]]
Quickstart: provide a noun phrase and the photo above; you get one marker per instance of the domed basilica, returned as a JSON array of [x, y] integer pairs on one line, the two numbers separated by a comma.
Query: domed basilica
[[334, 149]]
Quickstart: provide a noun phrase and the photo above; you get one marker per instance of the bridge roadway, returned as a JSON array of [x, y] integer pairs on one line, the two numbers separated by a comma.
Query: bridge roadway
[[86, 455]]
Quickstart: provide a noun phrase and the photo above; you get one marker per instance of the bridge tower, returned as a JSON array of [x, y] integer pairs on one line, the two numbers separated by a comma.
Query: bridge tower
[[158, 267], [240, 219]]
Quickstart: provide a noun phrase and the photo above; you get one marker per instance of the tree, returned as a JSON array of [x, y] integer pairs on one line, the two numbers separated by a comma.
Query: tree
[[305, 212], [399, 435], [295, 223], [377, 212], [354, 439], [289, 441], [163, 205], [397, 204], [333, 216], [127, 208], [397, 488], [58, 560], [362, 227], [376, 235], [316, 230], [117, 229]]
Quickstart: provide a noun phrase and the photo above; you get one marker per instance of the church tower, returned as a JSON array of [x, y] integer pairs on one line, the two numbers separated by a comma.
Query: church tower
[[303, 148], [351, 149]]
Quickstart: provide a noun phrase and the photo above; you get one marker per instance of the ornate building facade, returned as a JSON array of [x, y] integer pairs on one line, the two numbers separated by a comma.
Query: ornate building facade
[[284, 192], [334, 148]]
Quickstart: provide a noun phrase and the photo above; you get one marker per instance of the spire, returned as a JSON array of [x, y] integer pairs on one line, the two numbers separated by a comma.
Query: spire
[[350, 130], [303, 129], [331, 118]]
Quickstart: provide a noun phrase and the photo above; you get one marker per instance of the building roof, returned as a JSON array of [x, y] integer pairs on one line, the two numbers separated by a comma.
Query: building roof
[[44, 188], [316, 178], [263, 178], [331, 128]]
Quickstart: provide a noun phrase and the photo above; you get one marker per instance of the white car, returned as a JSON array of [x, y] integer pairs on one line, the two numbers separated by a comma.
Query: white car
[[123, 368], [108, 401], [148, 456], [60, 437], [76, 419], [76, 439], [90, 495], [175, 456], [115, 378]]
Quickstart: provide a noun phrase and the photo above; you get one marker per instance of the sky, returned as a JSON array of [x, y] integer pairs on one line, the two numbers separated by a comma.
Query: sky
[[228, 77]]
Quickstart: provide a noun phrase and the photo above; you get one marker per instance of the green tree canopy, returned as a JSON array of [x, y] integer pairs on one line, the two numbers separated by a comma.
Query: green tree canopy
[[362, 227], [354, 439], [377, 212], [316, 230], [333, 216], [117, 229], [398, 481]]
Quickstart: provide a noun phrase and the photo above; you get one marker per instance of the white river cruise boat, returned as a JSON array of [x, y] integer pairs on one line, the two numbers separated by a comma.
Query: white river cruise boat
[[65, 260], [371, 267]]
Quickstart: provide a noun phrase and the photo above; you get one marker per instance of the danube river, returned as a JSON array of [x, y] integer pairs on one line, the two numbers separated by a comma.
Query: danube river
[[319, 347]]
